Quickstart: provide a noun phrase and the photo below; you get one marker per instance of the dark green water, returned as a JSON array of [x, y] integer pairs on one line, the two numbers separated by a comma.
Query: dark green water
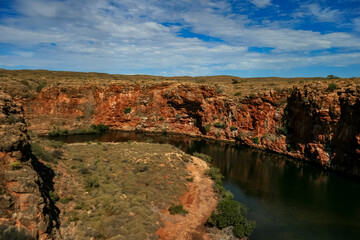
[[287, 198]]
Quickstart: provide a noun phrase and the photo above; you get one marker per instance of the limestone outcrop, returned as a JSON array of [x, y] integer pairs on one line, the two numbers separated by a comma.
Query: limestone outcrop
[[26, 210]]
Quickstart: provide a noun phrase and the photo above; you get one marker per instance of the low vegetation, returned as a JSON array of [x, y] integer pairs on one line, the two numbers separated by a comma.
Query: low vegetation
[[228, 213], [203, 156], [332, 77], [207, 127], [15, 165], [115, 190], [54, 196], [256, 140], [232, 213], [94, 129], [215, 174], [220, 125], [127, 110], [177, 209], [40, 152], [332, 87]]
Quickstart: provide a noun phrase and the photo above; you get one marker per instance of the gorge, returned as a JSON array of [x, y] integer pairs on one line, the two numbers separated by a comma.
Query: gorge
[[307, 120]]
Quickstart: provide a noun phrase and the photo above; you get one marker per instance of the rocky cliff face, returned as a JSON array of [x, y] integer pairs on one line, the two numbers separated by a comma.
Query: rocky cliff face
[[313, 124], [324, 127], [26, 211]]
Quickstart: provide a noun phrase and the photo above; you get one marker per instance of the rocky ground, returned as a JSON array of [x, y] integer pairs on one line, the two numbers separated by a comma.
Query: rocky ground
[[26, 209]]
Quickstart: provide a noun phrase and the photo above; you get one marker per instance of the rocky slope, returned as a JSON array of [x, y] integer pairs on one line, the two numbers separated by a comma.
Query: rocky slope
[[311, 123], [26, 210]]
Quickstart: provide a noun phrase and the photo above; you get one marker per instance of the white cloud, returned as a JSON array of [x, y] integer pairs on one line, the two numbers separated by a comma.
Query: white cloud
[[320, 14], [356, 23], [261, 3], [131, 35]]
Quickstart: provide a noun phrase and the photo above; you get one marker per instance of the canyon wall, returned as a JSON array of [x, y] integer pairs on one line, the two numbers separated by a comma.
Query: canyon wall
[[26, 210], [314, 124]]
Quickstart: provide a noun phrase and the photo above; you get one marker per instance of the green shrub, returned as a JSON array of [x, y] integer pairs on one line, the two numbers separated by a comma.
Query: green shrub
[[332, 87], [238, 94], [228, 194], [256, 140], [177, 209], [232, 213], [203, 156], [332, 77], [100, 127], [84, 171], [65, 200], [40, 152], [235, 81], [57, 154], [53, 196], [252, 95], [189, 179], [177, 116], [12, 118], [207, 127], [56, 144], [58, 132], [127, 110], [79, 131], [233, 129], [220, 125], [15, 165], [218, 89], [40, 87], [215, 174], [91, 182]]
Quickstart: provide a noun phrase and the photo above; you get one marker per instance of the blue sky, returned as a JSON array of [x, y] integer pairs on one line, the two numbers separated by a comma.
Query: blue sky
[[250, 38]]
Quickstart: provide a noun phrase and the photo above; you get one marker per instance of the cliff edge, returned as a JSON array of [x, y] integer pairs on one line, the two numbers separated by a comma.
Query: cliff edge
[[26, 210]]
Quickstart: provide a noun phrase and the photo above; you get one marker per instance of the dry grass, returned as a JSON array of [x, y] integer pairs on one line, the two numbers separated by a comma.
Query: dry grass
[[26, 83], [115, 190]]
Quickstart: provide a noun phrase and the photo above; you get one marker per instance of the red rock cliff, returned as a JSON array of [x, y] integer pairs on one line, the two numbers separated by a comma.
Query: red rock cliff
[[315, 125], [26, 211]]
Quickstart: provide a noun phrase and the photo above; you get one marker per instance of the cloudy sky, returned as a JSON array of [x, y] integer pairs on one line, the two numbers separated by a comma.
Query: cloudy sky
[[247, 38]]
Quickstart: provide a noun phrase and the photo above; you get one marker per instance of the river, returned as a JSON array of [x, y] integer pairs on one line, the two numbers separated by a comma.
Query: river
[[288, 199]]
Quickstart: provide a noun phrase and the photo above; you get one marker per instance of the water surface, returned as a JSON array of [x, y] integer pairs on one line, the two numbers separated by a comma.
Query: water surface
[[287, 198]]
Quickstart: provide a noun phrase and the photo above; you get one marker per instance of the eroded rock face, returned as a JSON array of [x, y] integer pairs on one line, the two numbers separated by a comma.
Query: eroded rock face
[[324, 127], [26, 212], [172, 107], [309, 123]]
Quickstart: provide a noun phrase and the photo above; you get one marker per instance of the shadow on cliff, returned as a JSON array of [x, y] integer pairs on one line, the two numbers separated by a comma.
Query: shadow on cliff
[[345, 142], [46, 185]]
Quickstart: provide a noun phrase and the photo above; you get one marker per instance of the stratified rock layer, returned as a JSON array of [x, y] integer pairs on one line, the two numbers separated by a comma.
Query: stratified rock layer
[[26, 212], [311, 123]]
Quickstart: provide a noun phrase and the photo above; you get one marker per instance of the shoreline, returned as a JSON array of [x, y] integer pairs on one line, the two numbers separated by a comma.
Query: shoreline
[[228, 141], [199, 200]]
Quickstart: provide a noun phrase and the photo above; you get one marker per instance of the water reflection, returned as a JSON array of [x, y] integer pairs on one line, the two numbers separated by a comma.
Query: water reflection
[[289, 199]]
